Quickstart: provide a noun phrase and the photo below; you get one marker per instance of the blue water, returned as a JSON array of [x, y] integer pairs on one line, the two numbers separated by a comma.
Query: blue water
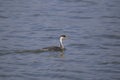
[[92, 47]]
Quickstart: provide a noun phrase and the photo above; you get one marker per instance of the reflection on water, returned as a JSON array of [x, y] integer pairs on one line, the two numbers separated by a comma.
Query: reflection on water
[[92, 49]]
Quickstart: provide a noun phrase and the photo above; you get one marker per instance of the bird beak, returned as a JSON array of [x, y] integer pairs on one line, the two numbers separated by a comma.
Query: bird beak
[[66, 37]]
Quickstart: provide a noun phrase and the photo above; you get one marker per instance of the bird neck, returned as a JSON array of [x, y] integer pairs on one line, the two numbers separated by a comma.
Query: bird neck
[[61, 43]]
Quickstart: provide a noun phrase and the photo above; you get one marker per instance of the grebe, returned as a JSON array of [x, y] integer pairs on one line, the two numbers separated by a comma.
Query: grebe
[[56, 48]]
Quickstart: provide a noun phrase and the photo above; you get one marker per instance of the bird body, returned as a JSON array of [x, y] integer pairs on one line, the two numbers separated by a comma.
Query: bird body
[[52, 48], [56, 48]]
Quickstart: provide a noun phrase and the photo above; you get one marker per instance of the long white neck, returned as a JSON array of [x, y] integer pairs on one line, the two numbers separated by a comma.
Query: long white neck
[[61, 43]]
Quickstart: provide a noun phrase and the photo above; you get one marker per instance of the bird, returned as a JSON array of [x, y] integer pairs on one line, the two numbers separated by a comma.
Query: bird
[[56, 48]]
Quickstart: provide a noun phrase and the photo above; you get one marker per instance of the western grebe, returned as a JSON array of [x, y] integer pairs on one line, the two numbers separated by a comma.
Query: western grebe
[[56, 48]]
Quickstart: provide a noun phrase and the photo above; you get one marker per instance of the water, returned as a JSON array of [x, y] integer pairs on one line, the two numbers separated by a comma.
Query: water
[[93, 44]]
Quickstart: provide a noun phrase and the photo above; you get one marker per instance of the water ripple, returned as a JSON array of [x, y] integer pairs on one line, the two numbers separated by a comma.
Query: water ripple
[[80, 46], [112, 44], [65, 70], [110, 36], [3, 17], [83, 3], [54, 75]]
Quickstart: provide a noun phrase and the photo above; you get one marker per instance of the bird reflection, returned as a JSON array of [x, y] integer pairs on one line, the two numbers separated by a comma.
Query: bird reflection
[[59, 54]]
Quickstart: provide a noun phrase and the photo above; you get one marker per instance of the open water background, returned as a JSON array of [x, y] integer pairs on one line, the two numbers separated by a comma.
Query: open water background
[[92, 48]]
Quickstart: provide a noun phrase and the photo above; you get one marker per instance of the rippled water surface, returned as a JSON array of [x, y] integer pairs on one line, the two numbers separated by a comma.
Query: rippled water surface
[[92, 47]]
